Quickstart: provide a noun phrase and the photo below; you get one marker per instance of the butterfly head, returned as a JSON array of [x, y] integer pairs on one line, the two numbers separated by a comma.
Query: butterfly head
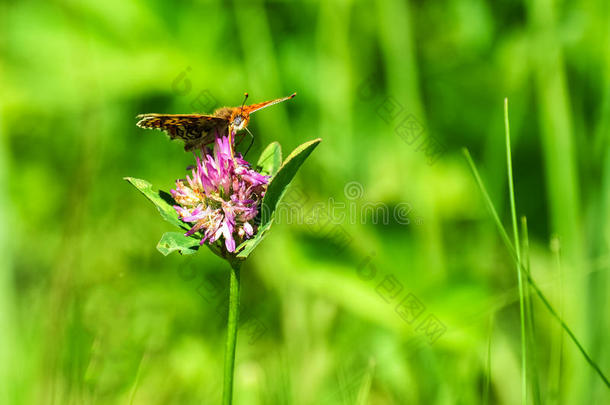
[[239, 120]]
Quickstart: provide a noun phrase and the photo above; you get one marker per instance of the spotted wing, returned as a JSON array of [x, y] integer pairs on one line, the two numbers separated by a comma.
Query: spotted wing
[[195, 130]]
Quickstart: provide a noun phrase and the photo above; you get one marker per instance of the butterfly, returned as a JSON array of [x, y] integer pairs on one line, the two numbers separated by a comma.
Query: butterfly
[[199, 130]]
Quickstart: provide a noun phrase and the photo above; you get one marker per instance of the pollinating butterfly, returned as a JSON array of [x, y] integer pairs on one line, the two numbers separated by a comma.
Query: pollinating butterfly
[[199, 130]]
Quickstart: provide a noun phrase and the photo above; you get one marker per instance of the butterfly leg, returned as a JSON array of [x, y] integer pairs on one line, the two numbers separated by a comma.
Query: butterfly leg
[[251, 141], [241, 139]]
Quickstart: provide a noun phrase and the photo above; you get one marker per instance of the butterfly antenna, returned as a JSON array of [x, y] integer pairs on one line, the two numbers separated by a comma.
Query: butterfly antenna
[[244, 103], [251, 141]]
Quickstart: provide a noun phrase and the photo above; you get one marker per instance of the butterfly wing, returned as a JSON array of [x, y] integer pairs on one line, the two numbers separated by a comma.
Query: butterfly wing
[[248, 109], [194, 129]]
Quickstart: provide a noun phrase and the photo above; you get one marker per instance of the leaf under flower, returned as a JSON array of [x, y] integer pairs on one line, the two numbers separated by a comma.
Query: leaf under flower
[[176, 241], [270, 160], [278, 184], [162, 200]]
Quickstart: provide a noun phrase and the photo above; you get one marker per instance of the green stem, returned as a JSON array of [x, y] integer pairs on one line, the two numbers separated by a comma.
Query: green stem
[[513, 210], [486, 388], [529, 315], [233, 319]]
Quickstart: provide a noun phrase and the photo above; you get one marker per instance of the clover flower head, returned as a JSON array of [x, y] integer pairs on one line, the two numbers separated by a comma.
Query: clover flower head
[[221, 197]]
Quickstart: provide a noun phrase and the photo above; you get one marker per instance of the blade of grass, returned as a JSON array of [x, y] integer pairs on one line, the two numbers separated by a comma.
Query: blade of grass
[[556, 355], [347, 385], [560, 150], [513, 254], [529, 316], [486, 388], [136, 382], [513, 212], [365, 388]]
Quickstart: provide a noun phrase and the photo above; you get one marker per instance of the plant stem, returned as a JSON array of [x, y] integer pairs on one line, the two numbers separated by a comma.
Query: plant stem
[[513, 211], [232, 321], [486, 388], [529, 316]]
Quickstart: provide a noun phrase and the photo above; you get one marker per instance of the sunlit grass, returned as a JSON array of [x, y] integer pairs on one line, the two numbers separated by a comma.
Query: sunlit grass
[[517, 244]]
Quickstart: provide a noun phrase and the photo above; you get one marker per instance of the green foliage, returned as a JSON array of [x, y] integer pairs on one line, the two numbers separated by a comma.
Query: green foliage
[[283, 177], [162, 200], [270, 160]]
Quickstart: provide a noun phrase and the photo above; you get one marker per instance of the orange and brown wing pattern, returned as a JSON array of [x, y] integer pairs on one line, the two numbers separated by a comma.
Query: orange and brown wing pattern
[[194, 129], [259, 106]]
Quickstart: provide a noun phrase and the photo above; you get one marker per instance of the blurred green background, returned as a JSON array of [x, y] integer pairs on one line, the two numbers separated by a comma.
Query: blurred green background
[[91, 313]]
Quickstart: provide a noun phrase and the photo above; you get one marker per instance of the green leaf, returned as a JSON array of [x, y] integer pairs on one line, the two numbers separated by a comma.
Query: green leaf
[[270, 160], [248, 246], [283, 177], [162, 200], [176, 241], [274, 193], [171, 241]]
